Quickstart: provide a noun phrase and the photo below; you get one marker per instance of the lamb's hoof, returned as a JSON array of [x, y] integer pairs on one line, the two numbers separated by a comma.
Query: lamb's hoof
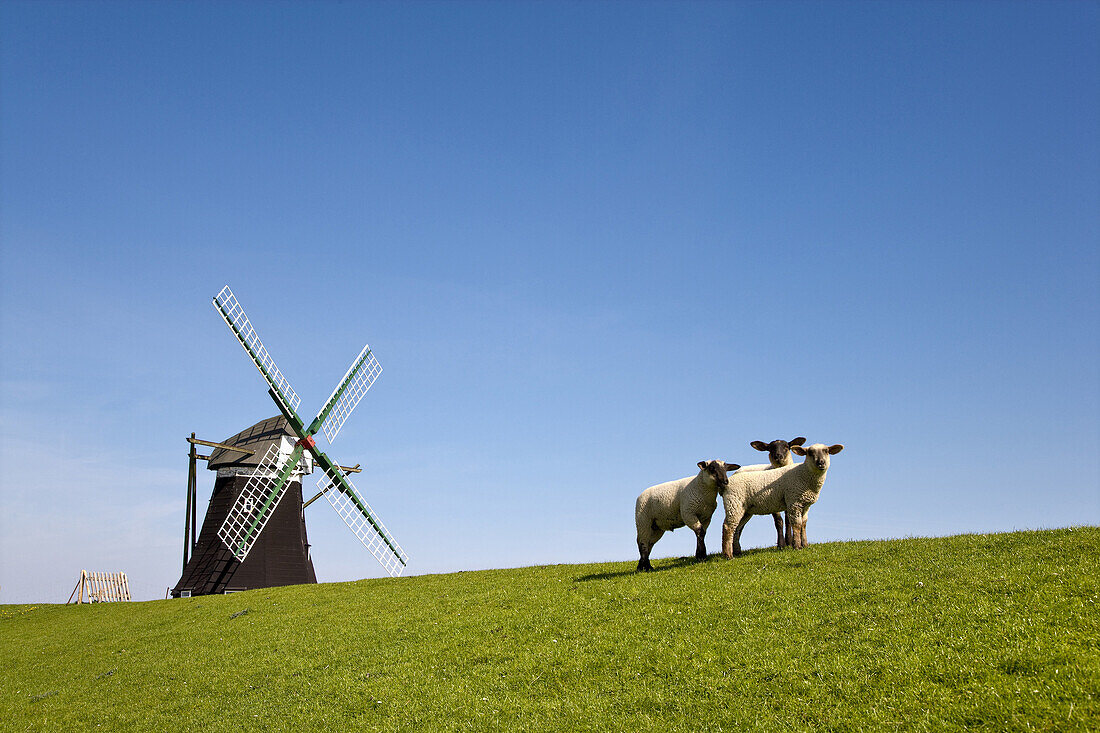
[[644, 567]]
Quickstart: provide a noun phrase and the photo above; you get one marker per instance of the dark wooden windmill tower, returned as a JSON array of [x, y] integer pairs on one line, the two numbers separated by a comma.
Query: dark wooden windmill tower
[[281, 554]]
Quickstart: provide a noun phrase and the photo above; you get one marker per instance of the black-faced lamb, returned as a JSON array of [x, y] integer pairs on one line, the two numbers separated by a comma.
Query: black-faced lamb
[[686, 502], [779, 455], [791, 489]]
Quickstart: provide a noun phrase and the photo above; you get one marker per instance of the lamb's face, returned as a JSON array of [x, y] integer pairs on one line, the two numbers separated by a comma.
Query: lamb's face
[[817, 455], [718, 469], [779, 451]]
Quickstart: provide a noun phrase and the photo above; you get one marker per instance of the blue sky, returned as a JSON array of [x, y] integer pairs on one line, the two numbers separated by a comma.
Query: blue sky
[[590, 243]]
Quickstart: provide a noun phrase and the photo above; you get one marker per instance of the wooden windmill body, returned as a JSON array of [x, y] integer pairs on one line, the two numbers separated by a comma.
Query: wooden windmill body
[[281, 555]]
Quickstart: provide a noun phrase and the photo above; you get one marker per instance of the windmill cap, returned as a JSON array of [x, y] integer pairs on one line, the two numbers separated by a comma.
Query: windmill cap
[[256, 438]]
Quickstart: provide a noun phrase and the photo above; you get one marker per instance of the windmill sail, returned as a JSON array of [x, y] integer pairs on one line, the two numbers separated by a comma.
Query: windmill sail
[[362, 521], [238, 322], [359, 378], [258, 500], [265, 488]]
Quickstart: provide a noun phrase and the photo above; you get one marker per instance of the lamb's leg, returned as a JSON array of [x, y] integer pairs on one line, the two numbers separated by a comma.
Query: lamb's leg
[[795, 525], [728, 528], [790, 529], [646, 541], [780, 540], [700, 545], [805, 542], [737, 533], [699, 527], [643, 556]]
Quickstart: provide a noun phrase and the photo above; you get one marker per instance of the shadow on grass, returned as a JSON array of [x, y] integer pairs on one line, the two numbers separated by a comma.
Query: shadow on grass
[[672, 564]]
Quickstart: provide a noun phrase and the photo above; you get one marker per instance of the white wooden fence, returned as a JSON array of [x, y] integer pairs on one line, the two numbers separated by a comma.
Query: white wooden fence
[[101, 588]]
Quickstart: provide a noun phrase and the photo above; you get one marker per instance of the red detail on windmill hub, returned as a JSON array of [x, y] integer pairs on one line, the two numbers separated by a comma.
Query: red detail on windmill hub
[[308, 441]]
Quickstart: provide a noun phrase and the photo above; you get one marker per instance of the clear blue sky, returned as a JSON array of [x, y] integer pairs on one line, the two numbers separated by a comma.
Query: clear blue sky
[[591, 244]]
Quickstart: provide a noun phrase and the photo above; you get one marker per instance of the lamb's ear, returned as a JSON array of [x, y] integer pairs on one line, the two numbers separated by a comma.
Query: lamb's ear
[[732, 466], [798, 450], [797, 441], [759, 445], [834, 449], [702, 464]]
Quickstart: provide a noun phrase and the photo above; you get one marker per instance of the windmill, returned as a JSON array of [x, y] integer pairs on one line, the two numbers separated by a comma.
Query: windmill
[[260, 497]]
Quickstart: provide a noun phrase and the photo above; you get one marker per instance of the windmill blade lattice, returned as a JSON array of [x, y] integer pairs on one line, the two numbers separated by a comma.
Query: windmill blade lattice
[[362, 521], [358, 379], [266, 487], [238, 322], [258, 500]]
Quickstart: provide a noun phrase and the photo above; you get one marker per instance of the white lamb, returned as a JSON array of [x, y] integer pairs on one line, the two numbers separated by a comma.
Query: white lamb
[[792, 489], [685, 502], [779, 455]]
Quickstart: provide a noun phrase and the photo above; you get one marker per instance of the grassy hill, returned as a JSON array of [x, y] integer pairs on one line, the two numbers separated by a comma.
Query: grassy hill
[[972, 632]]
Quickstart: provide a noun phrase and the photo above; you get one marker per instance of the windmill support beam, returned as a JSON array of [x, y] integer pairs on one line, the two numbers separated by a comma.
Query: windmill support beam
[[211, 444], [319, 494], [188, 527], [194, 500]]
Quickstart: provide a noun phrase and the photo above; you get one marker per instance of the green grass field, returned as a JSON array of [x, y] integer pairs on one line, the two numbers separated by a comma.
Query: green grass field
[[976, 632]]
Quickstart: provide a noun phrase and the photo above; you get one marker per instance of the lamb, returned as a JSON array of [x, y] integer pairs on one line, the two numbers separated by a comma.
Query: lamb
[[792, 489], [685, 502], [779, 455]]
